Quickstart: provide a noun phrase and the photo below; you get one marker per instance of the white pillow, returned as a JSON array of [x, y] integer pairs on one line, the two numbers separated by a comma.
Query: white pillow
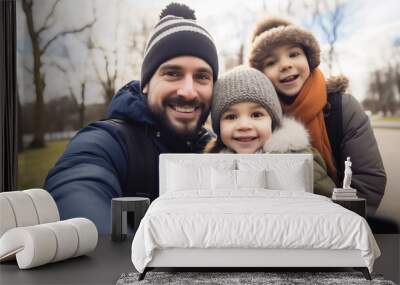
[[182, 177], [223, 179], [251, 178], [292, 179], [281, 173]]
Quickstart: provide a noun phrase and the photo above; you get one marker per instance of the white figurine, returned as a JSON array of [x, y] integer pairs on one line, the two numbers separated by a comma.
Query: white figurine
[[347, 174]]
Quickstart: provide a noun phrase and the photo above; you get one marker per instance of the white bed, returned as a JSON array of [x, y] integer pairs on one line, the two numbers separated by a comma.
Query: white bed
[[236, 210]]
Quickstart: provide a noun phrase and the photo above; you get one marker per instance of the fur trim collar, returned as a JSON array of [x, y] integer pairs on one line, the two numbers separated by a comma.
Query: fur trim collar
[[290, 137], [337, 84]]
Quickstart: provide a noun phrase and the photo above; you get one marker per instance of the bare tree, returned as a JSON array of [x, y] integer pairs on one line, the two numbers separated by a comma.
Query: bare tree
[[39, 48], [396, 63], [108, 80], [130, 45], [384, 84], [137, 39], [61, 114], [378, 85], [109, 74], [329, 16], [244, 24], [82, 82], [234, 55], [381, 95], [397, 76], [389, 87], [372, 100]]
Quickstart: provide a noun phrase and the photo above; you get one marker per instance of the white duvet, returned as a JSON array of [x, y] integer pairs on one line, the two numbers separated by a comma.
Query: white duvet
[[250, 219]]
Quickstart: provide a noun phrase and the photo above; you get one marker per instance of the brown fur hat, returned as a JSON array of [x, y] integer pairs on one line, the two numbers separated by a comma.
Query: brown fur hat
[[270, 33]]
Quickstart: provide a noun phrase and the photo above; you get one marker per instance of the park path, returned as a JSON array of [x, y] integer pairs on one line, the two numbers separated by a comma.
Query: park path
[[389, 145]]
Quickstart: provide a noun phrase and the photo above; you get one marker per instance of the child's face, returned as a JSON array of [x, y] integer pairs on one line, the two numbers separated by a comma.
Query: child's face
[[245, 127], [287, 68]]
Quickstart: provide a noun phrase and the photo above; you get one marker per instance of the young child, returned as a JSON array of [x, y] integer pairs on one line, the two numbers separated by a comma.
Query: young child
[[289, 56], [247, 117]]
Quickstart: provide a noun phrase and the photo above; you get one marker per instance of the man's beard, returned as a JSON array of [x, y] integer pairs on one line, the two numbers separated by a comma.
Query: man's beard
[[185, 132]]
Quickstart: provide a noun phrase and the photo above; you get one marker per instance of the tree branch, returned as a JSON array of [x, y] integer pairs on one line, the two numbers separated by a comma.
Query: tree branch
[[102, 49], [73, 97], [68, 56], [28, 69], [103, 85], [114, 78], [108, 76], [71, 91], [56, 64], [46, 22], [73, 31]]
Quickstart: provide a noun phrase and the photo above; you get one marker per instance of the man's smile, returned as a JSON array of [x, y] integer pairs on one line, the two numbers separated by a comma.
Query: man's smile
[[183, 109], [184, 112]]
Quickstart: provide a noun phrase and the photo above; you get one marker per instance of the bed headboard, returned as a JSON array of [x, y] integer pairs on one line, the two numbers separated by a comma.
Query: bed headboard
[[283, 163]]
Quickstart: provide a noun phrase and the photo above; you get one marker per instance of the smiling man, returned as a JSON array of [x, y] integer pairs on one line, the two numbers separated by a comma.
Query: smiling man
[[163, 113], [179, 94]]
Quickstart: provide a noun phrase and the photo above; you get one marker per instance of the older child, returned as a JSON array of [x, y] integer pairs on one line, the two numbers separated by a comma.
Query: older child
[[247, 118], [289, 56]]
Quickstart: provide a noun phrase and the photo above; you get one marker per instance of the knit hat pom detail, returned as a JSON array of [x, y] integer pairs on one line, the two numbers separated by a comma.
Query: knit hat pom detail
[[178, 10], [177, 34]]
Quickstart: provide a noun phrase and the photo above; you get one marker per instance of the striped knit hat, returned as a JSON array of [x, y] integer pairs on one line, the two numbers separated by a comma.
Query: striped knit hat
[[177, 34]]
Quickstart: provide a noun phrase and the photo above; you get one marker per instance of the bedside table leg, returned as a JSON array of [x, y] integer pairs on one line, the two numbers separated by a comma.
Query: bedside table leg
[[117, 221], [143, 274], [364, 271]]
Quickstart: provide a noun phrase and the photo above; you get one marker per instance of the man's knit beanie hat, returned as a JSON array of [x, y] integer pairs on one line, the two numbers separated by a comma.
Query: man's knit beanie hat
[[244, 84], [177, 34], [272, 32]]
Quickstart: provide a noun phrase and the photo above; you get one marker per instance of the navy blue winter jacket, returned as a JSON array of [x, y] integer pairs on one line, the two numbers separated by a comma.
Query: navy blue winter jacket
[[91, 170]]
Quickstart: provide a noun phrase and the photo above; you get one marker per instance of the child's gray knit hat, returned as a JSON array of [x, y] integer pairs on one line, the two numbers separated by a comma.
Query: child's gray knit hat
[[244, 84]]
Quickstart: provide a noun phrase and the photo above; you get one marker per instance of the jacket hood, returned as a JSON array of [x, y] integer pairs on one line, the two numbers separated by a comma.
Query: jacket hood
[[337, 84], [130, 104], [292, 136]]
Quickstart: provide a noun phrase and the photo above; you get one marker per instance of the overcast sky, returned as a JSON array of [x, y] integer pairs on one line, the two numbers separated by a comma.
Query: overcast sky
[[365, 43]]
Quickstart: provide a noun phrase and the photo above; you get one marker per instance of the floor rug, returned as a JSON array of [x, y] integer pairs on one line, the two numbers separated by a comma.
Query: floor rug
[[272, 278]]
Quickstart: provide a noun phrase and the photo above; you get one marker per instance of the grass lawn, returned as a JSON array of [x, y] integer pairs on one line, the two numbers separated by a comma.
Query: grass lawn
[[33, 164], [386, 119]]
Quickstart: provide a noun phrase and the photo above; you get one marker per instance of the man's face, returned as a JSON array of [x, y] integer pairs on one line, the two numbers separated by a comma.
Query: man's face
[[179, 94]]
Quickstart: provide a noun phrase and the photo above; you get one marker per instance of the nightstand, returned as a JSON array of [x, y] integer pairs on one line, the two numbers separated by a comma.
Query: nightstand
[[358, 205], [119, 208]]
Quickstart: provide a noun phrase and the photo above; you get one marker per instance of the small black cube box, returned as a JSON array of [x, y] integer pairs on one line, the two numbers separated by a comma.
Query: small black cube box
[[357, 205], [119, 208]]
